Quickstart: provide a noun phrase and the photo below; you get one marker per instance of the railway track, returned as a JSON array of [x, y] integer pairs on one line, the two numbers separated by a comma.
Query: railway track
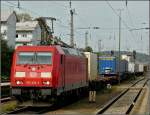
[[5, 99], [124, 102], [30, 110]]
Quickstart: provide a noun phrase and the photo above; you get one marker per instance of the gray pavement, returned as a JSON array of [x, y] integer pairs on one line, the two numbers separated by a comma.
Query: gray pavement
[[5, 84], [148, 76]]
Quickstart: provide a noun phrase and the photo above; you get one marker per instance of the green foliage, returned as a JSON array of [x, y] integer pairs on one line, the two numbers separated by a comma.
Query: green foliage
[[6, 107], [6, 58], [98, 53], [88, 49]]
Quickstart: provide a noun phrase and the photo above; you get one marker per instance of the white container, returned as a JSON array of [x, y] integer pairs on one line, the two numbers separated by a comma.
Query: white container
[[126, 57], [141, 68], [136, 67], [131, 67], [92, 65]]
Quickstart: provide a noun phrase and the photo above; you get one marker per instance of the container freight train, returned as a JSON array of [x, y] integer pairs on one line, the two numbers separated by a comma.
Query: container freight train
[[48, 73], [110, 68], [135, 68]]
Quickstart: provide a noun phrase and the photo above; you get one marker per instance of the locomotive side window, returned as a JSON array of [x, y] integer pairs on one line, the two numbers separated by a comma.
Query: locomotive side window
[[44, 58], [25, 58]]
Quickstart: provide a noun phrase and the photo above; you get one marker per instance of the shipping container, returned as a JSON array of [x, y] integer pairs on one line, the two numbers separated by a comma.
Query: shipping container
[[131, 67], [139, 67], [92, 65], [126, 57], [123, 68], [109, 66], [145, 68], [136, 67]]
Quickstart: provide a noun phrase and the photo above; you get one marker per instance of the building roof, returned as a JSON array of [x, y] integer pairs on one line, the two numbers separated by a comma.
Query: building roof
[[5, 15], [26, 26]]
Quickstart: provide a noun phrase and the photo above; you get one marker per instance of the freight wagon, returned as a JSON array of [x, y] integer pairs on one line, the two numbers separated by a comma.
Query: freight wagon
[[136, 68], [131, 67], [93, 71], [139, 69], [92, 66], [108, 68]]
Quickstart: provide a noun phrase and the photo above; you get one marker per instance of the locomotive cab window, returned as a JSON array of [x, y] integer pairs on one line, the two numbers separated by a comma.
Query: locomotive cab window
[[25, 58], [34, 58], [44, 58]]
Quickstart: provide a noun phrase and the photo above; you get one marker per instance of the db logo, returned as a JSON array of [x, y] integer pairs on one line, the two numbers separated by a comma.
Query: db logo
[[33, 74], [33, 69]]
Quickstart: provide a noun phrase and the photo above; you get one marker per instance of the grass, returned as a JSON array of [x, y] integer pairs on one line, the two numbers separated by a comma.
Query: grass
[[9, 106]]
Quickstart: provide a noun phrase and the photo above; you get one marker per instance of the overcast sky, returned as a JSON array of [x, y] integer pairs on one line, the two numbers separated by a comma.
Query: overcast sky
[[99, 14]]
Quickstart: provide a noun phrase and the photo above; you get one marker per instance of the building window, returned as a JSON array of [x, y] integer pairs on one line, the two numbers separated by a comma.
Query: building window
[[24, 44], [24, 35], [16, 35], [4, 32]]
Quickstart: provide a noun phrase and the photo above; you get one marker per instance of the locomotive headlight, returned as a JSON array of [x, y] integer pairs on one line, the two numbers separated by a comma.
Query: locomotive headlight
[[20, 74], [46, 74], [19, 82], [46, 82]]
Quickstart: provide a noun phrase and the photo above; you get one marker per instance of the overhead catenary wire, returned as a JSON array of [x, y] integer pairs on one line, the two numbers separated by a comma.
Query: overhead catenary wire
[[131, 20], [124, 23], [117, 14], [22, 8]]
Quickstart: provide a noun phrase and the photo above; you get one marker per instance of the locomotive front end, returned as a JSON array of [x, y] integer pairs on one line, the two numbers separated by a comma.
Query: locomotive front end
[[31, 74]]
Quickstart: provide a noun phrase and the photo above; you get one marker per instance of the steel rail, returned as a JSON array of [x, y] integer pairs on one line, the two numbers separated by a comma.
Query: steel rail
[[136, 98], [28, 109], [5, 99], [117, 98]]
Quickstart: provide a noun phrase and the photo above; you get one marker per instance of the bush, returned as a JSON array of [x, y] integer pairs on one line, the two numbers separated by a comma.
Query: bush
[[6, 58]]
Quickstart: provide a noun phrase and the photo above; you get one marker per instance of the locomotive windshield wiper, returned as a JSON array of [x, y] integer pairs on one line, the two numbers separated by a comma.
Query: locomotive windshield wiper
[[36, 60]]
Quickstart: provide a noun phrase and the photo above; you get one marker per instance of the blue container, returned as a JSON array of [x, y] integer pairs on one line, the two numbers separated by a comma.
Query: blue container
[[109, 66]]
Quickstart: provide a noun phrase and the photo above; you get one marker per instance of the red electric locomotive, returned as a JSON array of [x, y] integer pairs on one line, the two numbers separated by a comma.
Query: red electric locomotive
[[43, 73]]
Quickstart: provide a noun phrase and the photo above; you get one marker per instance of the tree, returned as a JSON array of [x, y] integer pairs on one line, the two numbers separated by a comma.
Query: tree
[[88, 49], [24, 17], [99, 53], [6, 58]]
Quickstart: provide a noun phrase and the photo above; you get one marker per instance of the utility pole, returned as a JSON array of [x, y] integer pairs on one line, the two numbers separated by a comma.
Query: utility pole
[[149, 46], [86, 39], [99, 46], [119, 43], [71, 26], [18, 4], [149, 51], [126, 2]]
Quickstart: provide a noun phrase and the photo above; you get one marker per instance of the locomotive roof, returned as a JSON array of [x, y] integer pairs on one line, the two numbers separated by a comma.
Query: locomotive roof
[[71, 51], [61, 50]]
